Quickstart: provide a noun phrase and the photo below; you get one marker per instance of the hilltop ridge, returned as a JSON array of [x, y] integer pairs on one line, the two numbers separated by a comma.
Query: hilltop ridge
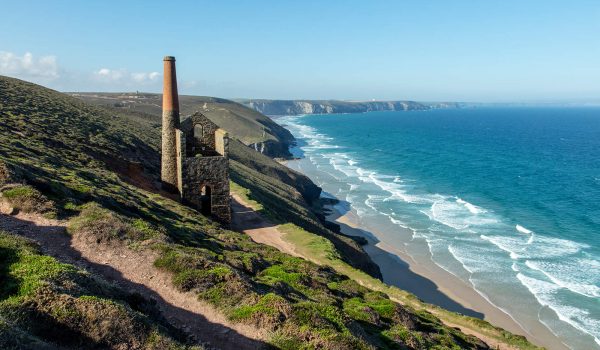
[[247, 125]]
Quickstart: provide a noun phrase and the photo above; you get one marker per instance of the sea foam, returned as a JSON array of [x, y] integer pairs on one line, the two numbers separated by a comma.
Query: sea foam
[[546, 294], [523, 229], [483, 242]]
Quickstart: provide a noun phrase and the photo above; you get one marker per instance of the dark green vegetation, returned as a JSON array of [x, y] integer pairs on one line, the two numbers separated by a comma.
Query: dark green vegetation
[[247, 125], [99, 171], [45, 304], [283, 203], [27, 199], [294, 195]]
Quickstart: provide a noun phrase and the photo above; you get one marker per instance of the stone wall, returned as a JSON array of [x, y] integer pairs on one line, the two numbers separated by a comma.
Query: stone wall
[[180, 142], [208, 132], [168, 172], [207, 171], [222, 142]]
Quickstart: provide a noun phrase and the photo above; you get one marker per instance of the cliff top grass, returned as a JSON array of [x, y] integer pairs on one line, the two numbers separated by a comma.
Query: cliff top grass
[[322, 252], [99, 170]]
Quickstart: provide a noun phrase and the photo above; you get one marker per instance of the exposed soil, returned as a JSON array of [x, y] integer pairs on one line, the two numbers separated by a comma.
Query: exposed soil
[[134, 271], [246, 220]]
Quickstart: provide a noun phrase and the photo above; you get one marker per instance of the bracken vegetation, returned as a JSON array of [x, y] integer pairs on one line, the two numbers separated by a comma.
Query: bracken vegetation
[[99, 171]]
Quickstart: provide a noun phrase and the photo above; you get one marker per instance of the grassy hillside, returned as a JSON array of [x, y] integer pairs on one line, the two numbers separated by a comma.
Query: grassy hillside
[[245, 124], [283, 203], [278, 183], [45, 304], [97, 171]]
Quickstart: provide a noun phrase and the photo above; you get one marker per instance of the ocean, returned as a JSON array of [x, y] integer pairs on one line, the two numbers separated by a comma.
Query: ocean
[[505, 199]]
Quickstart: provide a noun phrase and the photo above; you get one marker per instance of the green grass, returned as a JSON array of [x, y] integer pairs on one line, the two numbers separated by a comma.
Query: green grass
[[80, 157], [45, 304], [320, 251], [24, 270], [246, 195], [283, 204], [28, 199]]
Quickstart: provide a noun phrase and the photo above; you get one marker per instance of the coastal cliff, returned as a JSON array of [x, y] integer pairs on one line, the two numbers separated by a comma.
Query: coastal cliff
[[296, 107]]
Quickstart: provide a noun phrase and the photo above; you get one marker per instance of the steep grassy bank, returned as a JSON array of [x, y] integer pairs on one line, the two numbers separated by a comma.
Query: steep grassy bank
[[45, 304], [247, 125], [98, 171], [323, 252], [277, 182]]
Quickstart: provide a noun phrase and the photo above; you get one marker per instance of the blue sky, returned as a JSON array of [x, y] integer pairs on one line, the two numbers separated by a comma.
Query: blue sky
[[478, 50]]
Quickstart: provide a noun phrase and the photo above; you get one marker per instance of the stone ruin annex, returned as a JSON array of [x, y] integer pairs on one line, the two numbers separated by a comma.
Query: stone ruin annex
[[194, 161]]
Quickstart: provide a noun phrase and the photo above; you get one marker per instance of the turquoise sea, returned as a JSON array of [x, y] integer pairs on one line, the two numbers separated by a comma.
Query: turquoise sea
[[506, 199]]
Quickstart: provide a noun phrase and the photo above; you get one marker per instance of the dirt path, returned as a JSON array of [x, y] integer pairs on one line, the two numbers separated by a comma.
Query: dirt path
[[134, 271], [245, 219]]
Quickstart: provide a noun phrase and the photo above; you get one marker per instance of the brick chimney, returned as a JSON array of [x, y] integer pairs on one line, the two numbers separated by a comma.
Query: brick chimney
[[170, 123]]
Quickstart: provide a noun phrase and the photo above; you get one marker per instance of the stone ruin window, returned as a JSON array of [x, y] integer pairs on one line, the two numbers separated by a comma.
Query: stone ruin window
[[198, 135]]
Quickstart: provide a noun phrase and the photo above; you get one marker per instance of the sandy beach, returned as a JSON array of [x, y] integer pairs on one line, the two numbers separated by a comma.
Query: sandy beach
[[434, 285]]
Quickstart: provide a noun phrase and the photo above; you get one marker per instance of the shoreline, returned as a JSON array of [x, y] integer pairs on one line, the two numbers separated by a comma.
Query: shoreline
[[435, 285], [466, 275]]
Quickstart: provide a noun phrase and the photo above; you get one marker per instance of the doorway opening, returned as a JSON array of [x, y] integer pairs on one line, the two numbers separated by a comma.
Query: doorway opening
[[205, 200]]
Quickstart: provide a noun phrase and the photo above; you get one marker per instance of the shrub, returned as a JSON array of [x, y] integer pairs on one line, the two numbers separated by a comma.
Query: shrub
[[104, 226], [7, 174], [400, 335], [28, 200], [270, 310]]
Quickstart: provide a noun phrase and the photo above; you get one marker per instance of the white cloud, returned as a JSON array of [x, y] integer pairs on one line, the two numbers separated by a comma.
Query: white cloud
[[45, 70], [28, 67], [142, 77], [122, 76], [109, 75]]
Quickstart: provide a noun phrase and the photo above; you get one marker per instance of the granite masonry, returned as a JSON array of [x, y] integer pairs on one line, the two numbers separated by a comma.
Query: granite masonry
[[195, 160]]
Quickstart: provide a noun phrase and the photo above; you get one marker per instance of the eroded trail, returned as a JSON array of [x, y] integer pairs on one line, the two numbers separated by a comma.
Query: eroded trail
[[134, 270], [248, 221]]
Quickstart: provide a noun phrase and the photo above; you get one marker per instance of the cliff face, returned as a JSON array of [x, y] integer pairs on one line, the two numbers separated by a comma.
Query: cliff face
[[295, 107]]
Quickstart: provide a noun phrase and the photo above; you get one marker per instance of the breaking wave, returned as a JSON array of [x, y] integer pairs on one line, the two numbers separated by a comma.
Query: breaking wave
[[466, 237]]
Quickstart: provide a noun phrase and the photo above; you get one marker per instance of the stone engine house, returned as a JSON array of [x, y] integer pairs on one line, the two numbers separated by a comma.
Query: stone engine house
[[194, 160]]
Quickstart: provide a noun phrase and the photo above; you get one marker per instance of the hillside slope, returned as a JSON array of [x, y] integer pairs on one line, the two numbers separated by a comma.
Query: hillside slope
[[245, 124], [281, 184], [93, 170]]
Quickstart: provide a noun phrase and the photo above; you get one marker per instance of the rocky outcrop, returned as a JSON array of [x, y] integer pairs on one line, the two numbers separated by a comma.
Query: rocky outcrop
[[267, 166], [295, 107], [272, 148]]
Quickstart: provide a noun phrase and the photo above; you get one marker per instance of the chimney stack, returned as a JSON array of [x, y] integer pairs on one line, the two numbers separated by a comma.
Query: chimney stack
[[170, 123]]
